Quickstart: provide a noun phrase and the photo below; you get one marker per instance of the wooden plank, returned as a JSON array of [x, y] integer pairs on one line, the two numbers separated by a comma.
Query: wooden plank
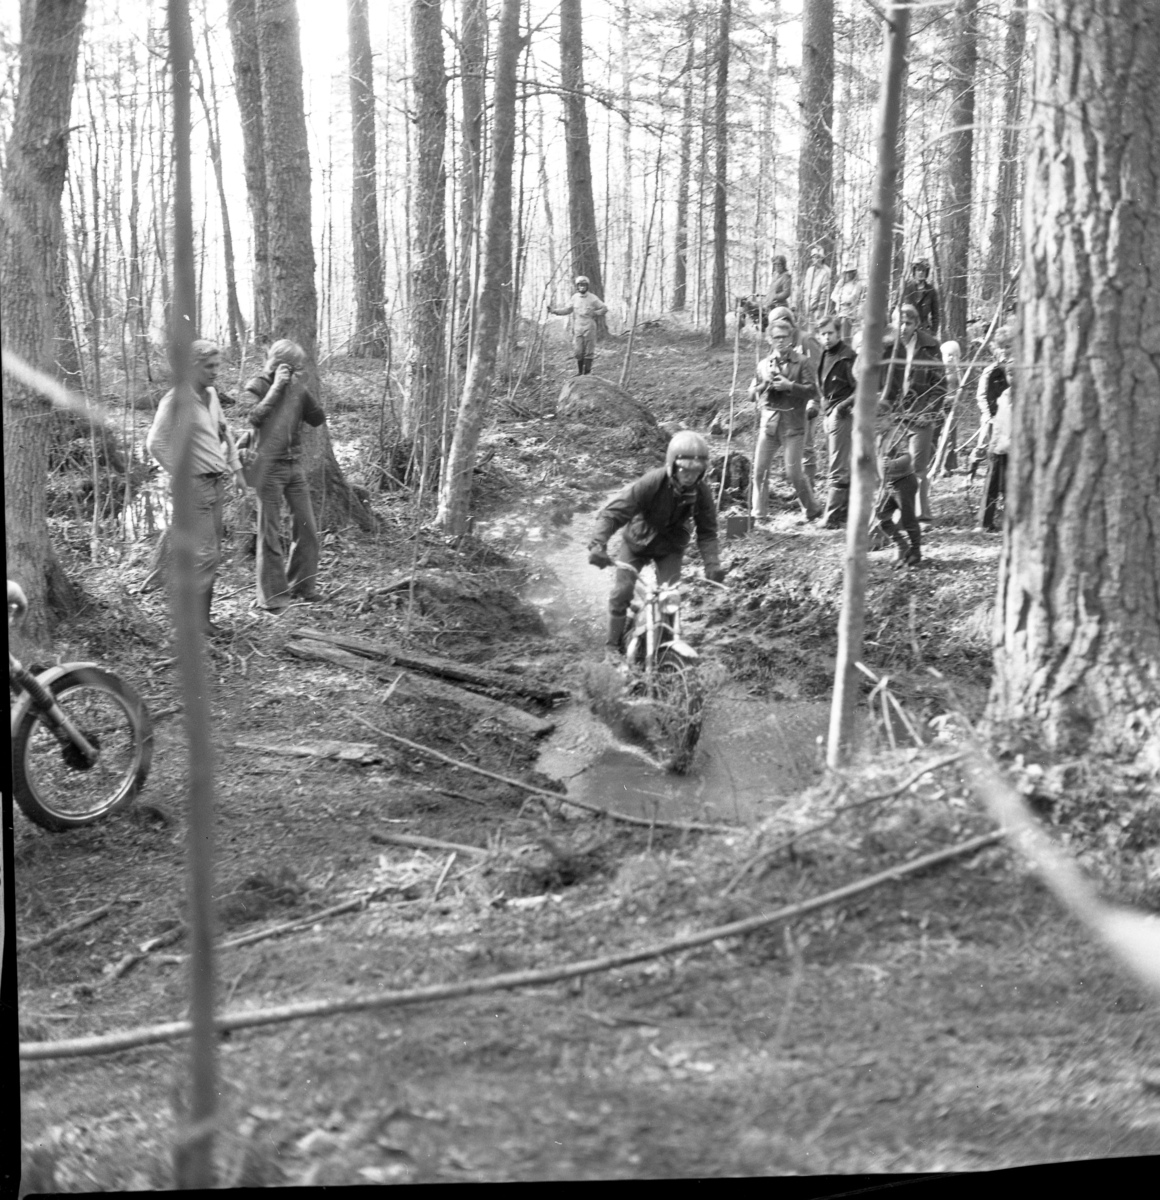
[[430, 664], [434, 689]]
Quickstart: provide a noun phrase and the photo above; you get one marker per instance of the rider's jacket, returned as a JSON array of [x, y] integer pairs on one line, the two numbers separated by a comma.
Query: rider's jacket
[[659, 519]]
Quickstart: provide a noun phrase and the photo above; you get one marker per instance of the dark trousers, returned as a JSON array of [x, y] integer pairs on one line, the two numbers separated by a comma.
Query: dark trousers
[[839, 433], [668, 571], [277, 582], [898, 496], [994, 490]]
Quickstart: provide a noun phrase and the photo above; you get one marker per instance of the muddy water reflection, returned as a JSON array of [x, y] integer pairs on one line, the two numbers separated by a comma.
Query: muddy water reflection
[[751, 753]]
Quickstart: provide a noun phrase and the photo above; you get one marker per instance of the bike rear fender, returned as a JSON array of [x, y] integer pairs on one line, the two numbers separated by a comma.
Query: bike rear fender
[[48, 678], [682, 648]]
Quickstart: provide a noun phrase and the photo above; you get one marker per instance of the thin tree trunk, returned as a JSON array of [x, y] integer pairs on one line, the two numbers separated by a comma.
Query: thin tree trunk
[[629, 268], [370, 307], [955, 239], [423, 402], [473, 67], [1077, 656], [455, 481], [1001, 253], [851, 622], [681, 247], [243, 23], [581, 206], [36, 163], [816, 160], [720, 175]]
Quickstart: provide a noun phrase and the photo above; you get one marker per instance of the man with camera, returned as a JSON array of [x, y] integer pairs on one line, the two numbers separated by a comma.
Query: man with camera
[[276, 403], [785, 386]]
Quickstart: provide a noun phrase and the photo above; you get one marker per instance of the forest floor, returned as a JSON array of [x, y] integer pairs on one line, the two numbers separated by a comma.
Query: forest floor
[[955, 1019]]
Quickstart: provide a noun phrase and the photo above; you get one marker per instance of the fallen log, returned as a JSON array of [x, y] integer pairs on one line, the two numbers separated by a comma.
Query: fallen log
[[434, 689], [363, 753], [46, 939], [151, 1034], [446, 668]]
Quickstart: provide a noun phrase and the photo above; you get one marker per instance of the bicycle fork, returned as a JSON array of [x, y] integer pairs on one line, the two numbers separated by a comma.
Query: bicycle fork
[[51, 713]]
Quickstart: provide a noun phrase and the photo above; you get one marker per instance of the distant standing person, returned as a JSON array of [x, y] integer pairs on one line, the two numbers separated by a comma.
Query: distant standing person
[[213, 457], [847, 299], [817, 287], [780, 287], [995, 485], [583, 308], [276, 403], [923, 295]]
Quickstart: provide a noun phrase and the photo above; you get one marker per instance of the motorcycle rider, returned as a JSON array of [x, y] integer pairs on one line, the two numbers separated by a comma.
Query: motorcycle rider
[[659, 514]]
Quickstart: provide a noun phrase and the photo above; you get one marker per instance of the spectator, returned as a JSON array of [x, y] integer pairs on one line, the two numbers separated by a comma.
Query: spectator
[[784, 386], [808, 345], [995, 485], [910, 406], [781, 285], [923, 295], [276, 403], [212, 457], [584, 309], [836, 379], [659, 513], [814, 299], [992, 383], [847, 299]]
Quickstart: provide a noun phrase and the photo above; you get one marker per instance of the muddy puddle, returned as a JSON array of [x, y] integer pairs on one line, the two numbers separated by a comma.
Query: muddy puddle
[[751, 752]]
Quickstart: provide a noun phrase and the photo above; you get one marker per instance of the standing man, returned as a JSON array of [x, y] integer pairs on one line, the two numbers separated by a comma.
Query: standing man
[[910, 407], [836, 379], [785, 384], [923, 295], [781, 285], [213, 457], [276, 403], [814, 299], [847, 300], [583, 308]]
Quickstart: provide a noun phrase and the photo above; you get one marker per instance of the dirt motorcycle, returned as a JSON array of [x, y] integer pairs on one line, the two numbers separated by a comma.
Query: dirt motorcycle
[[82, 739]]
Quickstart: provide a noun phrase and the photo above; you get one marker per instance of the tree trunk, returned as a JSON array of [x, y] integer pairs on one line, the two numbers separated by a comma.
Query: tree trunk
[[629, 259], [369, 303], [455, 481], [473, 66], [423, 402], [720, 176], [243, 23], [816, 158], [1078, 614], [581, 206], [1004, 224], [30, 237], [293, 299], [955, 236], [681, 247]]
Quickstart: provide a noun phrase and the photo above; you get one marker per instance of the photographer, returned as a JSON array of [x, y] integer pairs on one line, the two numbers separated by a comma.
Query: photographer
[[275, 403], [785, 386]]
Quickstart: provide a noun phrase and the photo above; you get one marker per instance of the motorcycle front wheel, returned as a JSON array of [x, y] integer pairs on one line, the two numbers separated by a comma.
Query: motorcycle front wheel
[[54, 784]]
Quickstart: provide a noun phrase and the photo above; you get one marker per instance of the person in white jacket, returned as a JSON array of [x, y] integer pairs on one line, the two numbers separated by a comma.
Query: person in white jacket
[[995, 485], [585, 308]]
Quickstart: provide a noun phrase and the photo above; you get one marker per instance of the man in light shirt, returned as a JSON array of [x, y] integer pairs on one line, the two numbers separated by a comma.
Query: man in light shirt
[[213, 456], [817, 287], [584, 308]]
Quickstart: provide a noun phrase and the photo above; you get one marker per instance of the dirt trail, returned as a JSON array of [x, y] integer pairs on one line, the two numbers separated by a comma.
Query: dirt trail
[[951, 1021]]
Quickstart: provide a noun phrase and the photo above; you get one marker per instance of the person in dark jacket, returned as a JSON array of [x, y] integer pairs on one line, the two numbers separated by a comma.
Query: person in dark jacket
[[909, 408], [276, 403], [659, 514], [920, 292], [836, 379], [785, 386]]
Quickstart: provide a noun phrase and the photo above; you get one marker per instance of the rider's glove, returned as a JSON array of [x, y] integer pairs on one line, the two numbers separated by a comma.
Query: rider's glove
[[715, 574], [598, 556], [811, 410]]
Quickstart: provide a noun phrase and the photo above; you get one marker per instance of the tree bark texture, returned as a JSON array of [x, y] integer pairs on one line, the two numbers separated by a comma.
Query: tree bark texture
[[720, 174], [1005, 224], [581, 206], [243, 23], [370, 319], [30, 238], [423, 400], [293, 297], [1078, 612], [681, 244], [473, 68], [816, 159], [955, 235], [455, 481]]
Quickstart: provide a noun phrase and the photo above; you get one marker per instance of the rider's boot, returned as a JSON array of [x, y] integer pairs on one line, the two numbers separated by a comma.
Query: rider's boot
[[615, 641], [579, 366], [586, 367]]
